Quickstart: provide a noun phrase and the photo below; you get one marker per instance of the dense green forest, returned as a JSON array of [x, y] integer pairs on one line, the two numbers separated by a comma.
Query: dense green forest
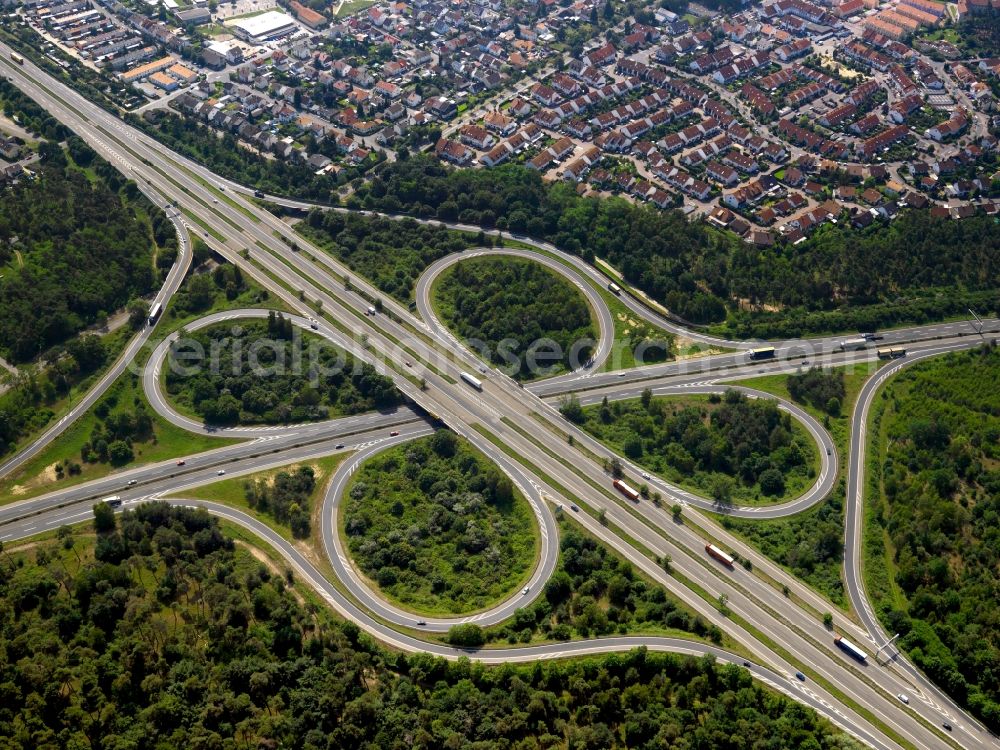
[[933, 532], [167, 635], [74, 246], [438, 527], [731, 448], [390, 254], [915, 269], [594, 592], [268, 372], [490, 300], [73, 252]]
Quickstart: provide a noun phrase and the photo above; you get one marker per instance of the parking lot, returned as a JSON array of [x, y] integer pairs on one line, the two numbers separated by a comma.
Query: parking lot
[[227, 9]]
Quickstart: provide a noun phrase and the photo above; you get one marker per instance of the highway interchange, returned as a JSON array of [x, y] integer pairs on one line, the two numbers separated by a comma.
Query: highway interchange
[[520, 429]]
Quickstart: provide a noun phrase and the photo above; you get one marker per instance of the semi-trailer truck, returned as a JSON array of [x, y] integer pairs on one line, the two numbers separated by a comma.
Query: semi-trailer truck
[[629, 492], [852, 344], [472, 380], [721, 556], [891, 352], [849, 648], [764, 352], [154, 313]]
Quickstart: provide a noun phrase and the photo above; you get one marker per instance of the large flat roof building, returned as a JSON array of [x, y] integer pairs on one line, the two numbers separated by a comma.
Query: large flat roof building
[[265, 27]]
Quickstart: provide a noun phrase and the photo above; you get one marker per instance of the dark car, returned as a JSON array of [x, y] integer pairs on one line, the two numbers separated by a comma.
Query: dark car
[[801, 676]]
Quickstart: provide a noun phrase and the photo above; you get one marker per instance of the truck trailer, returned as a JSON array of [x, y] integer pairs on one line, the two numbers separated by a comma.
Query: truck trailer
[[472, 380], [849, 648], [721, 556], [852, 344], [629, 492]]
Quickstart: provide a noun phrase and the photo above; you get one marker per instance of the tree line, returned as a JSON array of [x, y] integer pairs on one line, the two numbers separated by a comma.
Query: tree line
[[913, 269], [390, 254], [164, 633]]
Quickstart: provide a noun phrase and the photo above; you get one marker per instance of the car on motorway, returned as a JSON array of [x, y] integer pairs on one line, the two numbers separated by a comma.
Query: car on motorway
[[421, 622], [621, 374], [394, 433], [828, 452], [645, 475], [747, 664], [181, 463], [574, 508], [313, 323], [131, 482], [801, 677], [338, 446], [526, 590], [220, 472], [947, 726], [904, 698]]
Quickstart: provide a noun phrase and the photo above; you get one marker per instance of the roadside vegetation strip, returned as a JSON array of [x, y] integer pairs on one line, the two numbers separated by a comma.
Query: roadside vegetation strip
[[929, 548], [120, 431], [362, 318], [438, 528], [204, 225], [285, 498]]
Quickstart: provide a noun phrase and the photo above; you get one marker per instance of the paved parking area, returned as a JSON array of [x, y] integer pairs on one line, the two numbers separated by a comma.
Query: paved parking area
[[227, 9]]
